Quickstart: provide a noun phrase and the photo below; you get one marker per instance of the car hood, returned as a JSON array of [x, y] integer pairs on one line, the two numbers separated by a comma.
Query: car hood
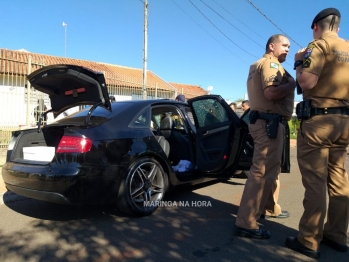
[[69, 86]]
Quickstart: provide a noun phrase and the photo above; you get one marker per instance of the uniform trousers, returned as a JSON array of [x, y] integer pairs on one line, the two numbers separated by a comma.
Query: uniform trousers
[[272, 208], [263, 175], [321, 152]]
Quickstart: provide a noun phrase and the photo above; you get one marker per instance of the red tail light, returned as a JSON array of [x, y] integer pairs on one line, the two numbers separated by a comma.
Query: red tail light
[[73, 144]]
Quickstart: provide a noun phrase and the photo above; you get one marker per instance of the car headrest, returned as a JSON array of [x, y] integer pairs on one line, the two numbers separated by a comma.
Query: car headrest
[[166, 123]]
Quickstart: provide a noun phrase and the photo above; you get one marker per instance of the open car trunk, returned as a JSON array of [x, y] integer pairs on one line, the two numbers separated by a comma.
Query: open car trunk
[[31, 146]]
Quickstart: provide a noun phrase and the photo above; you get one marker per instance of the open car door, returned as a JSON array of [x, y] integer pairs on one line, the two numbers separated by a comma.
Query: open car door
[[247, 154], [220, 137]]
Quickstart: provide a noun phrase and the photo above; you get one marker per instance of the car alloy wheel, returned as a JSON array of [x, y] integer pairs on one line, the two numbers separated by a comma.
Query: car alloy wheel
[[142, 188]]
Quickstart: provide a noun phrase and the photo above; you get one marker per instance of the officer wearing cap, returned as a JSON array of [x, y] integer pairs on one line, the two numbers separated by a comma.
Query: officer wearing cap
[[322, 73]]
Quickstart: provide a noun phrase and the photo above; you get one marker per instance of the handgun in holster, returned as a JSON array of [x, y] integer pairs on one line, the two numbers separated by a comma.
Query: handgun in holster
[[272, 124], [303, 110]]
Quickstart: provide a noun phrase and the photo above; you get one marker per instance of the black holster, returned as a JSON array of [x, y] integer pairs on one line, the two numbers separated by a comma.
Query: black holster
[[272, 122], [303, 110]]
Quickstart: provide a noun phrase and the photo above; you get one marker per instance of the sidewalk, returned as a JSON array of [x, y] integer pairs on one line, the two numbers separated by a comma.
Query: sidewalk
[[2, 185]]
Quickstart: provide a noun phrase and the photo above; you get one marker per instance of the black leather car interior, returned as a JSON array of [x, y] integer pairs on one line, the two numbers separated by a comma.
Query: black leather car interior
[[164, 144], [179, 145]]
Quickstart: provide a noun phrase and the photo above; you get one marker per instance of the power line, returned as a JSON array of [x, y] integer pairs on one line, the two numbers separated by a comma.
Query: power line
[[273, 23], [238, 19], [231, 24], [221, 31], [207, 32]]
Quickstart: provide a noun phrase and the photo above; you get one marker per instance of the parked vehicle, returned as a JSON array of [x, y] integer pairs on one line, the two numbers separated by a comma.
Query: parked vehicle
[[128, 152]]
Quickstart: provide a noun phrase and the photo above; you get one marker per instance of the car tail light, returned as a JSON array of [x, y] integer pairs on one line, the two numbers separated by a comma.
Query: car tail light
[[73, 144]]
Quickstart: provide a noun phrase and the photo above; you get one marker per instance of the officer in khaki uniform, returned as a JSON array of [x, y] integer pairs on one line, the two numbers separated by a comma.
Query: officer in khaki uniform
[[271, 94], [323, 75]]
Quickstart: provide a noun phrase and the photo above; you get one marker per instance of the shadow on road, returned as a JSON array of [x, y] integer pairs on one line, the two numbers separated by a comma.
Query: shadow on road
[[173, 233]]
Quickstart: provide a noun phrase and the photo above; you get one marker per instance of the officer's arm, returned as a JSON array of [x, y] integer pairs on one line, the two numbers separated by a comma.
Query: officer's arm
[[306, 80], [279, 91]]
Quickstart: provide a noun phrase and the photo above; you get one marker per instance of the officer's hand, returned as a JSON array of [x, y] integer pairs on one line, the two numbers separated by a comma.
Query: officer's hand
[[299, 55]]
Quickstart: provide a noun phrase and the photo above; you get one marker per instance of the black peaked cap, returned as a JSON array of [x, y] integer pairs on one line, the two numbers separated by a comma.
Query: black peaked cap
[[324, 13]]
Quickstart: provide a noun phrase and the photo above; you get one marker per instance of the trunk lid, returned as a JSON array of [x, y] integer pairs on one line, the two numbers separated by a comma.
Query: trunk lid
[[69, 86]]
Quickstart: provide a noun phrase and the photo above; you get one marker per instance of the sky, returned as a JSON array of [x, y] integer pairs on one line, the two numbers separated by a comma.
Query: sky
[[209, 43]]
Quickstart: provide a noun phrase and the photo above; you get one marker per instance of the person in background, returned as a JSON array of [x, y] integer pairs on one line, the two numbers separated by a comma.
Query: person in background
[[233, 106], [245, 105], [271, 93], [180, 98], [322, 140], [41, 108]]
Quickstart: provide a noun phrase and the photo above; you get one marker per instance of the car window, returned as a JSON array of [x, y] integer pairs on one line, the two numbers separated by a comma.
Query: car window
[[141, 120], [99, 115], [209, 112], [158, 113]]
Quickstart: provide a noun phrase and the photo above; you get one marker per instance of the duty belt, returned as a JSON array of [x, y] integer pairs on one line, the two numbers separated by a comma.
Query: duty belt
[[332, 110], [267, 116], [272, 122]]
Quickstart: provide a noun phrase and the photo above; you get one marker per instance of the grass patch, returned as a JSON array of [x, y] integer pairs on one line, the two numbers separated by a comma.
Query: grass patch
[[294, 124]]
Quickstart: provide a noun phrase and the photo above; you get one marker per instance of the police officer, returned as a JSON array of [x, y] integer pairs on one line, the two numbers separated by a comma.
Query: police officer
[[271, 95], [322, 73]]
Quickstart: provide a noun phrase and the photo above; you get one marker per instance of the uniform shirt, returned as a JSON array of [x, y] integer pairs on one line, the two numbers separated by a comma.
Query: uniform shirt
[[328, 58], [268, 71]]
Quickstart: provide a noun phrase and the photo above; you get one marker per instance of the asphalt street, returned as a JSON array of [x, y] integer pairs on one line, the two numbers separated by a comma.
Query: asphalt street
[[195, 226]]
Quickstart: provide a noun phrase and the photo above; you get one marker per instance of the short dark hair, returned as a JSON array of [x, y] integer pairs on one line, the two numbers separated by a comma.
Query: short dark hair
[[331, 22], [273, 39], [245, 102]]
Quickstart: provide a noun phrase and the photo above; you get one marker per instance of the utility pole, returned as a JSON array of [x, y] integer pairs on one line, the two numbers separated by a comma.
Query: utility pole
[[29, 70], [145, 50], [65, 39]]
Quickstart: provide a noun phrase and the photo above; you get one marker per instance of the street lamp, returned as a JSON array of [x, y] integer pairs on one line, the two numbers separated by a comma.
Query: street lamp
[[65, 38]]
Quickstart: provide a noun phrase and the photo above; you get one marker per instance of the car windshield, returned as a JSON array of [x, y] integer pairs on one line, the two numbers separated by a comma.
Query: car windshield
[[99, 115]]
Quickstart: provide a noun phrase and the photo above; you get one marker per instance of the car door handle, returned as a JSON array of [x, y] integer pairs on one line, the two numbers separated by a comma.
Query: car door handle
[[206, 133]]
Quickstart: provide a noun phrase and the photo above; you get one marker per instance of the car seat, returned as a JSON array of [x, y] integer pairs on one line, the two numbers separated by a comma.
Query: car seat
[[165, 145], [179, 145]]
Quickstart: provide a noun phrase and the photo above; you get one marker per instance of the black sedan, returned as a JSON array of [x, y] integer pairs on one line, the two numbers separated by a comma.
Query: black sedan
[[129, 153]]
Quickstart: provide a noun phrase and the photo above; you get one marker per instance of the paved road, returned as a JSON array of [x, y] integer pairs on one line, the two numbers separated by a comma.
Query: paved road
[[32, 230]]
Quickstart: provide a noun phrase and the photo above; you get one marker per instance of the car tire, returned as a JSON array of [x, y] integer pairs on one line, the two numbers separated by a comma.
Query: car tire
[[143, 187]]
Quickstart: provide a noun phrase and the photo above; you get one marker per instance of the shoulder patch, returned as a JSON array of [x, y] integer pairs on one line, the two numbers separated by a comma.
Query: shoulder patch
[[308, 52], [274, 65], [306, 63]]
